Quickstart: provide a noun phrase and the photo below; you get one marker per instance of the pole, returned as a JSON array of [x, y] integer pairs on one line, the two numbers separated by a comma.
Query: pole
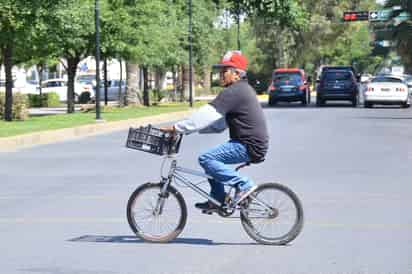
[[105, 80], [238, 24], [97, 93], [190, 55]]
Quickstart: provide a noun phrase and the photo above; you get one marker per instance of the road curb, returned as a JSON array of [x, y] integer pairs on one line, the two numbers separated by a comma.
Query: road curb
[[15, 143]]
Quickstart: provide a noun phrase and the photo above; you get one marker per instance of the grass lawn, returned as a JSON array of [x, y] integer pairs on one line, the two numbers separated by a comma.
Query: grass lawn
[[51, 122]]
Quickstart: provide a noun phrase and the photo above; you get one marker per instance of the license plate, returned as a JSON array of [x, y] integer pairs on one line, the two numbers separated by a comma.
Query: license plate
[[337, 87], [385, 89]]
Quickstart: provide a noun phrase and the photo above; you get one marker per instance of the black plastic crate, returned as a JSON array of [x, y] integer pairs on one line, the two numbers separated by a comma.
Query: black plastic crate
[[153, 140]]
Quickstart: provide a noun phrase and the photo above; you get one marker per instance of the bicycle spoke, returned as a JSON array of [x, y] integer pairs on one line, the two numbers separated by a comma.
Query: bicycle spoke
[[263, 222], [151, 224]]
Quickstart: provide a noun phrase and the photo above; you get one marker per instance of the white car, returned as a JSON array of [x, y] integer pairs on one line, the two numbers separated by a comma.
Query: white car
[[60, 87], [408, 80], [386, 89]]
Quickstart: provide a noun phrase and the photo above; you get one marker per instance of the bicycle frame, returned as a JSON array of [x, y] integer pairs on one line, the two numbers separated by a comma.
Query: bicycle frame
[[177, 172]]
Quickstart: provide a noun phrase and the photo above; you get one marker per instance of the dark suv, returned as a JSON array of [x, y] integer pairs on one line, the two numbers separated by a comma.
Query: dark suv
[[337, 84], [289, 85]]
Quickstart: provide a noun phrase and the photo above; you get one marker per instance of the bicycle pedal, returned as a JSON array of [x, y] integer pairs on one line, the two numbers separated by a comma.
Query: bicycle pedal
[[208, 212]]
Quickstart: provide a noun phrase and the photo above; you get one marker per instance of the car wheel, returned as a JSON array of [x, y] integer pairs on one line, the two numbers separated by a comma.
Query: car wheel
[[272, 102], [406, 105], [304, 102], [367, 104], [354, 102], [320, 102]]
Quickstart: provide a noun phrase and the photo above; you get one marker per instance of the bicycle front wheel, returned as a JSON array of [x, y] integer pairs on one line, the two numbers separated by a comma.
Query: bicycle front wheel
[[154, 217], [272, 215]]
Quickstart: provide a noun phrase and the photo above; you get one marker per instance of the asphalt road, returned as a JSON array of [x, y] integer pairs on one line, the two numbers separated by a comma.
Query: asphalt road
[[63, 206]]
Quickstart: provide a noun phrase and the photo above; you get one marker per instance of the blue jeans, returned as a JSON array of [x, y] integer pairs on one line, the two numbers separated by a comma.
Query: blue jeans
[[214, 163]]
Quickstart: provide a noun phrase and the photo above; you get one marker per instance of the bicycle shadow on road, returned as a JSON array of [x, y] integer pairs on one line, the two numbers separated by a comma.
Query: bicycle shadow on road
[[134, 240]]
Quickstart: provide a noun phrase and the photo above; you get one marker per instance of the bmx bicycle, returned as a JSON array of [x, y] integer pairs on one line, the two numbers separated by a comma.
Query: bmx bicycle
[[157, 212]]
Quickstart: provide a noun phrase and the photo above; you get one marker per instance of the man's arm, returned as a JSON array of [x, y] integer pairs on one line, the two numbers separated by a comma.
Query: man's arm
[[200, 119]]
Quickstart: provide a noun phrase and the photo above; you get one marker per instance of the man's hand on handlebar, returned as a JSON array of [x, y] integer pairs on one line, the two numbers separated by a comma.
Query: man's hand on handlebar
[[170, 129]]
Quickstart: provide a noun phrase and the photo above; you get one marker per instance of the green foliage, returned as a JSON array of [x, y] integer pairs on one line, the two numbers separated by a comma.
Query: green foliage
[[401, 33], [19, 109], [53, 99], [216, 89], [156, 95], [50, 99]]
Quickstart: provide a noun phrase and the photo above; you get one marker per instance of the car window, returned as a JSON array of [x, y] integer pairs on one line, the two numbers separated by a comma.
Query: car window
[[338, 75], [386, 79], [86, 79], [287, 78]]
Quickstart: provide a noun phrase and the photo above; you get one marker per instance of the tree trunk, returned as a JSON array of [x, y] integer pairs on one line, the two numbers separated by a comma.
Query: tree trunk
[[119, 97], [180, 88], [185, 82], [160, 79], [146, 100], [133, 96], [174, 83], [72, 63], [206, 79], [40, 68], [8, 65]]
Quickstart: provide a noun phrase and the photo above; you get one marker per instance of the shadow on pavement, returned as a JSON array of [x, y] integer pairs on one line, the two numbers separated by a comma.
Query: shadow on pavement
[[385, 118], [135, 240]]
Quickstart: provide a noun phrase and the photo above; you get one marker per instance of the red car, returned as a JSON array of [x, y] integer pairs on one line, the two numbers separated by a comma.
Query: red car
[[289, 85]]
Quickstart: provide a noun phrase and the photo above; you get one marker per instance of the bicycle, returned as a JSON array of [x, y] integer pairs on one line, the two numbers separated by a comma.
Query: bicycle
[[157, 212]]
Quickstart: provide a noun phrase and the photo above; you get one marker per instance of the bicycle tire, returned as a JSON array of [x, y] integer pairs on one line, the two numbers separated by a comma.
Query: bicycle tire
[[285, 238], [136, 223]]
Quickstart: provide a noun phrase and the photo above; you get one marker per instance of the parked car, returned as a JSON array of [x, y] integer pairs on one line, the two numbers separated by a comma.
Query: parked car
[[408, 80], [337, 84], [60, 87], [389, 89], [289, 85], [112, 90]]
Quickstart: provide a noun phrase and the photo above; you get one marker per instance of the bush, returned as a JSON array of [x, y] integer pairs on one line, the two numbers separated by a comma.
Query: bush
[[84, 97], [156, 95], [19, 108], [35, 100], [51, 99], [216, 90]]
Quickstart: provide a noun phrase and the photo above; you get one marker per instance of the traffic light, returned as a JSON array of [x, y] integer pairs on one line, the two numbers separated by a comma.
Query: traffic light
[[355, 16]]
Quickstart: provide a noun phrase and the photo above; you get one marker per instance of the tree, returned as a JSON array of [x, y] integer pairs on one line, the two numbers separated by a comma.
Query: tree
[[402, 31], [16, 25], [74, 34]]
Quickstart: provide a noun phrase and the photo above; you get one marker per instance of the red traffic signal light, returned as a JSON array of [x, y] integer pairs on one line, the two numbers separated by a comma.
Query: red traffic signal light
[[355, 16]]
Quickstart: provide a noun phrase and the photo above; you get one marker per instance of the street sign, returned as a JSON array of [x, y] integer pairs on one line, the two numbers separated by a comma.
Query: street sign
[[380, 15], [355, 16], [382, 43]]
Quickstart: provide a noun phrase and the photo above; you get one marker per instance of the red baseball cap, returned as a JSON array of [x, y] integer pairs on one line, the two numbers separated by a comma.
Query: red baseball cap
[[233, 59]]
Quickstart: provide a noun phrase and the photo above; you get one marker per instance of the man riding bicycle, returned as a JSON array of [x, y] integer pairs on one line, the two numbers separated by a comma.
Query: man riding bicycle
[[235, 107]]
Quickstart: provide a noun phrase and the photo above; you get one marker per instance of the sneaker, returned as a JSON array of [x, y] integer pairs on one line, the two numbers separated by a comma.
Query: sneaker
[[205, 206], [241, 195]]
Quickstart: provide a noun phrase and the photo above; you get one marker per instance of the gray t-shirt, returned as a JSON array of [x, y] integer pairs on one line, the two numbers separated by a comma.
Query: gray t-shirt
[[244, 117]]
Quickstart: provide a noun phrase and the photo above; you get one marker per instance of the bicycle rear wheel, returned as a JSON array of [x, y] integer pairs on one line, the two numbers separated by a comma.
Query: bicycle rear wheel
[[154, 217], [272, 215]]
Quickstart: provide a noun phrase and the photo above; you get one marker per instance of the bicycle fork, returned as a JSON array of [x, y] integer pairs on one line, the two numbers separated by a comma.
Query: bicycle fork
[[162, 197]]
